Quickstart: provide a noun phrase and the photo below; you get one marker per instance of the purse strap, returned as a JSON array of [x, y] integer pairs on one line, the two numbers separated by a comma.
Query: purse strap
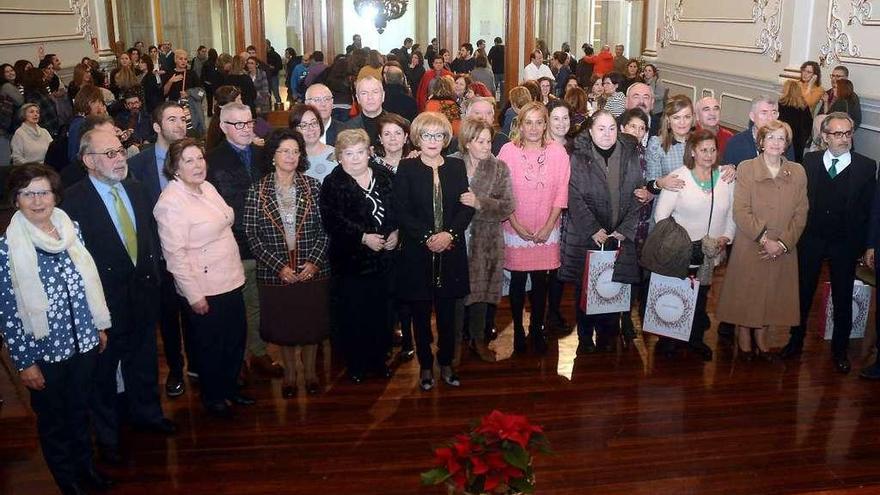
[[712, 204]]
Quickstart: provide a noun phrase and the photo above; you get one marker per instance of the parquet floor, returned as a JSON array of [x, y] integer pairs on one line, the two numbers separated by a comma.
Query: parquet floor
[[626, 422]]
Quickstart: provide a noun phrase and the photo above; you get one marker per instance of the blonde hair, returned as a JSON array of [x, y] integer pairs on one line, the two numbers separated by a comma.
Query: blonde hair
[[471, 128], [770, 127], [519, 96], [533, 106], [428, 120], [350, 138], [238, 65], [792, 95], [445, 88]]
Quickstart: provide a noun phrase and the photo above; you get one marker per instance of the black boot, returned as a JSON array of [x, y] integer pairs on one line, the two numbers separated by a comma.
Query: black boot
[[519, 340]]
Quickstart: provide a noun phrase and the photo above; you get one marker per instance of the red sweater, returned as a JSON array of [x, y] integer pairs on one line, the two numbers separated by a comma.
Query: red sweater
[[603, 63]]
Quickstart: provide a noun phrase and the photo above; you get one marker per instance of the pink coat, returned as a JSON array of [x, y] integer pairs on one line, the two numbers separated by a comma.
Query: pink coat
[[197, 241], [540, 183]]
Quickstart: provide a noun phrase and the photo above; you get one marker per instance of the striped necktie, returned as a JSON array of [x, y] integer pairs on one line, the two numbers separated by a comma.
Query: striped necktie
[[129, 236]]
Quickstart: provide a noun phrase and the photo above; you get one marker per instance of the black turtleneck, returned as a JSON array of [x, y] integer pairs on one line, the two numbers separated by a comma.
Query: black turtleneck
[[606, 154]]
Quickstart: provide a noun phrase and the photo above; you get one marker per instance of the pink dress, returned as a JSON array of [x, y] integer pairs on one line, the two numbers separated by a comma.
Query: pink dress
[[540, 183]]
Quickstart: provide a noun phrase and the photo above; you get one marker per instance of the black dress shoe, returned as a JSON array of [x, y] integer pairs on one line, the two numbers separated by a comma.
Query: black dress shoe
[[539, 342], [313, 388], [356, 377], [586, 348], [520, 346], [95, 480], [406, 354], [242, 400], [792, 348], [288, 391], [841, 364], [702, 350], [109, 455], [383, 372], [219, 410], [71, 489], [174, 386]]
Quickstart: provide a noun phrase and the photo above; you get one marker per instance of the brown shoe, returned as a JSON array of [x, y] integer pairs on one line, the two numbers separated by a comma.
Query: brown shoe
[[266, 367]]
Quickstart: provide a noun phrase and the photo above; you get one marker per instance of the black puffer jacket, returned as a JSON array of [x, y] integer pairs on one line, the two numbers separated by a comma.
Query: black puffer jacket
[[589, 208]]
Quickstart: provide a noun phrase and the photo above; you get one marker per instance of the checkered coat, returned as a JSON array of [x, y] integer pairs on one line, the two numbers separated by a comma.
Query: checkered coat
[[265, 231]]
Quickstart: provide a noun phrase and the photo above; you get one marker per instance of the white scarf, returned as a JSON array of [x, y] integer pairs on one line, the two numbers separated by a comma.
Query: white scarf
[[24, 238]]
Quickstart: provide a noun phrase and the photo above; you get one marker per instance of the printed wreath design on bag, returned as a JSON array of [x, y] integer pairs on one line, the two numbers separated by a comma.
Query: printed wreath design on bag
[[598, 298], [685, 315], [859, 316]]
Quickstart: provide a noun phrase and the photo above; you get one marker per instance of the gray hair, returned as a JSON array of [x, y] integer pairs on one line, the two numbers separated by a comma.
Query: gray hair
[[826, 122], [22, 112], [477, 99], [313, 88], [231, 107], [85, 142], [770, 100]]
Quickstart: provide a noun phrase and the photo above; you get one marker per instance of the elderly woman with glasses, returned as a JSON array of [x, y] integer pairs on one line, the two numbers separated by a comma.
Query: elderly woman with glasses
[[283, 227], [322, 157], [539, 172], [54, 316], [433, 264]]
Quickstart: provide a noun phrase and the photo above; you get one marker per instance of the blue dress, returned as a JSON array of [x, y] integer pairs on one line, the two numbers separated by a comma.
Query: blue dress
[[71, 329]]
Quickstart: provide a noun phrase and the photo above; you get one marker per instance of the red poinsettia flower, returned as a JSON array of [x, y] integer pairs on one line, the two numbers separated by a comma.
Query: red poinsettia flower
[[445, 457], [508, 427]]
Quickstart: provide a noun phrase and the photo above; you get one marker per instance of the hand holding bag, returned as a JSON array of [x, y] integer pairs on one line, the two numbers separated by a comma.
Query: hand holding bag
[[600, 294]]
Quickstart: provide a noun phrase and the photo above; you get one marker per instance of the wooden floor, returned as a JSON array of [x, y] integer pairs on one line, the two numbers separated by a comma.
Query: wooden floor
[[625, 422]]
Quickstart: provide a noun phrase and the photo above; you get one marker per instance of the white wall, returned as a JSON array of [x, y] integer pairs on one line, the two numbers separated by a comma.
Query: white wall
[[67, 31], [487, 21], [724, 48]]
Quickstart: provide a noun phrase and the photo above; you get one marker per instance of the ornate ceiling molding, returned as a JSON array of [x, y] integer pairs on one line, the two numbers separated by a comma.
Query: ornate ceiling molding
[[80, 22], [84, 18], [766, 13], [839, 43]]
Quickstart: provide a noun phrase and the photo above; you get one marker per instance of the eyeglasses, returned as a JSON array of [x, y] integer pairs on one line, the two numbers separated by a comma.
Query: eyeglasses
[[320, 99], [34, 194], [841, 134], [287, 152], [241, 125], [436, 137], [307, 125], [110, 154]]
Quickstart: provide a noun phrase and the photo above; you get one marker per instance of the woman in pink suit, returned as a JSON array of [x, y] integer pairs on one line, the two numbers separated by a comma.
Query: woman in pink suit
[[195, 228], [539, 172]]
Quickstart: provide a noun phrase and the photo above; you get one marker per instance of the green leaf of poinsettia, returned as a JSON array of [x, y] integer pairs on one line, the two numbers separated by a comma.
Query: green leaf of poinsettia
[[517, 457], [435, 476]]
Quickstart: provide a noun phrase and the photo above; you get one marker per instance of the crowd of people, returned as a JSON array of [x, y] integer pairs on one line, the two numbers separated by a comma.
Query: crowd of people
[[399, 193]]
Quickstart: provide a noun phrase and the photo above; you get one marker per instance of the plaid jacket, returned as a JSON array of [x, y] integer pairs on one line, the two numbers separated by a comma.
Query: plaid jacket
[[265, 231]]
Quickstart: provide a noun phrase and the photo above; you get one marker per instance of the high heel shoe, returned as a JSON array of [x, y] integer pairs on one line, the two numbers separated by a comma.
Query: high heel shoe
[[765, 355], [449, 377], [426, 380], [747, 356]]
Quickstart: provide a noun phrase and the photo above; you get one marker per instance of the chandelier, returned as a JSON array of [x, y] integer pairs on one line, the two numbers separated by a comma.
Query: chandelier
[[380, 11]]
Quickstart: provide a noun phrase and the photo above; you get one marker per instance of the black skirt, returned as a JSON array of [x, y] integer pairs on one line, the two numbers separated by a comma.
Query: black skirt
[[295, 314]]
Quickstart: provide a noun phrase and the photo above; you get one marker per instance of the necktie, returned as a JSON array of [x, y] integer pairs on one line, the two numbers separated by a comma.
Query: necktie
[[245, 156], [129, 236], [833, 170]]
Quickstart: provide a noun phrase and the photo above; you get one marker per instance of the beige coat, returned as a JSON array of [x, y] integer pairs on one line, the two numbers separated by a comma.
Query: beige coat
[[757, 292]]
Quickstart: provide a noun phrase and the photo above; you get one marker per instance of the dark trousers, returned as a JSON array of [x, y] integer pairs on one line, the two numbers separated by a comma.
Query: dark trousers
[[134, 350], [811, 252], [537, 296], [421, 314], [62, 410], [701, 321], [218, 339], [554, 297], [403, 315], [606, 326], [175, 328], [365, 321]]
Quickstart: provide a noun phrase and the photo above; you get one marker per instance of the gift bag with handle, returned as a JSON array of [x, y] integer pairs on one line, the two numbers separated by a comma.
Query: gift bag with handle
[[670, 307], [861, 304], [600, 294]]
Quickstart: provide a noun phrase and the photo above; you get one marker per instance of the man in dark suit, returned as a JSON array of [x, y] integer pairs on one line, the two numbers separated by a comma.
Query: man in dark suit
[[370, 97], [873, 372], [169, 123], [118, 229], [320, 97], [396, 98], [840, 188], [744, 145], [233, 166]]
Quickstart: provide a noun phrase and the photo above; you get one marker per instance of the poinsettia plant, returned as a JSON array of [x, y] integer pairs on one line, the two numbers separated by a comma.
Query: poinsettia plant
[[494, 457]]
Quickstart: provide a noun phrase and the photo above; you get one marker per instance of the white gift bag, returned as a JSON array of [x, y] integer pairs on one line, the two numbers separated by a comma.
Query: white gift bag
[[861, 303], [670, 308], [600, 294]]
